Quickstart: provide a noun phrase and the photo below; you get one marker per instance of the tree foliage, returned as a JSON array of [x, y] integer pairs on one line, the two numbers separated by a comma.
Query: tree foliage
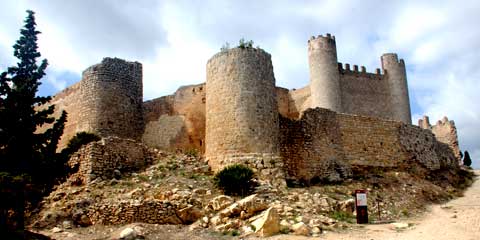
[[24, 151], [467, 161]]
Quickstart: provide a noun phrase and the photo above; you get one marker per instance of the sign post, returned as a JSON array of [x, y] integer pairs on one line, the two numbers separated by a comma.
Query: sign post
[[361, 206]]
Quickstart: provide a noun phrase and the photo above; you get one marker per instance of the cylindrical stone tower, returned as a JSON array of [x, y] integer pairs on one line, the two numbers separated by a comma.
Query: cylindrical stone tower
[[112, 98], [396, 77], [324, 75], [241, 108]]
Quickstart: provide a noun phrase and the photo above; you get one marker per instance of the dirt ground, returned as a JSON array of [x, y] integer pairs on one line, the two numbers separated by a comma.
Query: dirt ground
[[457, 219]]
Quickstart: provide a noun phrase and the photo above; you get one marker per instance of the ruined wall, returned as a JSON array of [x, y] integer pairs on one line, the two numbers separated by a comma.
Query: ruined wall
[[324, 145], [445, 131], [176, 121], [100, 159], [241, 108]]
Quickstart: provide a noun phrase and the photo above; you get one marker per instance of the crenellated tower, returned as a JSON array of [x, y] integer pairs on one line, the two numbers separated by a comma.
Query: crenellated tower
[[324, 75], [112, 97], [396, 78]]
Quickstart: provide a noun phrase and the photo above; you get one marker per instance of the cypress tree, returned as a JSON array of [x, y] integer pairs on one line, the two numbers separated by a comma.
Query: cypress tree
[[24, 152], [467, 161]]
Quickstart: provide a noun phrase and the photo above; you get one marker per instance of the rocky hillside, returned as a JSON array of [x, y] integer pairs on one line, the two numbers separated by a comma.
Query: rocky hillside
[[175, 195]]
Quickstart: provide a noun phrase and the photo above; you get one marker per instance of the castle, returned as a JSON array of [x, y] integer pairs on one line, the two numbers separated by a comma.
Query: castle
[[344, 120]]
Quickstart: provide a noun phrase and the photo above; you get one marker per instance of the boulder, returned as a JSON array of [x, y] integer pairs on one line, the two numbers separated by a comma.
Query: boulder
[[128, 234], [300, 229], [219, 202], [268, 223], [347, 206], [189, 214], [400, 225]]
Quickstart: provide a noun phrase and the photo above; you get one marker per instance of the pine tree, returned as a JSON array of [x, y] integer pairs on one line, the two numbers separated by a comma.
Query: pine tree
[[23, 150], [467, 161]]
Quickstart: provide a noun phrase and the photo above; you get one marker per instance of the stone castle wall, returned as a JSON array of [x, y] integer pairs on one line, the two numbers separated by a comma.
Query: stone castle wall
[[241, 107], [355, 91], [324, 145], [69, 100], [176, 121], [324, 74], [112, 97], [107, 101], [370, 89], [445, 131], [240, 116]]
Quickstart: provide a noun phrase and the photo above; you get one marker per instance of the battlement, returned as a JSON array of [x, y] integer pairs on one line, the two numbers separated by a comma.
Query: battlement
[[345, 69], [322, 43], [328, 36], [391, 59]]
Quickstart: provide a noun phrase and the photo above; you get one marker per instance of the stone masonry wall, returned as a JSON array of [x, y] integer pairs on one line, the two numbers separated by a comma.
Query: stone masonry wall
[[102, 158], [369, 141], [312, 147], [241, 108], [107, 101], [364, 93], [112, 97], [69, 100], [326, 145], [151, 211], [176, 121]]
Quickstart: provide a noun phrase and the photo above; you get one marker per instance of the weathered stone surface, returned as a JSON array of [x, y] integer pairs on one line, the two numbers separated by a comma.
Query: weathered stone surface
[[219, 202], [189, 214], [300, 229], [107, 158], [268, 223], [247, 111], [128, 234], [347, 206], [249, 206]]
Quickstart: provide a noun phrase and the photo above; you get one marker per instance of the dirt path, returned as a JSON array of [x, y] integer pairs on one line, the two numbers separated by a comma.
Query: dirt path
[[457, 219]]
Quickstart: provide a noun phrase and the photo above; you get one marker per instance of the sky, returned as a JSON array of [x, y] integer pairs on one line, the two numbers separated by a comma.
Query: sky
[[439, 41]]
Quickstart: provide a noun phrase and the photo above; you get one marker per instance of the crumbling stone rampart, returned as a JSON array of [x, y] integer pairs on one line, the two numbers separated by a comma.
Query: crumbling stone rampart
[[445, 131], [324, 145], [103, 158]]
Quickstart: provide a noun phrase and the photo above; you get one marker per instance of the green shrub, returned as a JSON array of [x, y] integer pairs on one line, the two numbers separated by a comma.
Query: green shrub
[[192, 152], [235, 180], [245, 44]]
